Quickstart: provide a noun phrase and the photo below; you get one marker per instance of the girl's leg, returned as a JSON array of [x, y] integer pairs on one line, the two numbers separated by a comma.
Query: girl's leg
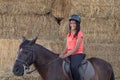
[[75, 62]]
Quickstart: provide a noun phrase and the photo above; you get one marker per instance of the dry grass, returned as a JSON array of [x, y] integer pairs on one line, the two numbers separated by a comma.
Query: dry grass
[[8, 75]]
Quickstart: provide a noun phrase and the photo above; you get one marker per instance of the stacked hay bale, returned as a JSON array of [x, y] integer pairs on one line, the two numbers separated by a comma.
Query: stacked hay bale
[[49, 18]]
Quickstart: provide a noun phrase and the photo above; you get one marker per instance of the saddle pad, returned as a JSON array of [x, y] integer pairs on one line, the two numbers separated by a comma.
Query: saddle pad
[[86, 71], [66, 70]]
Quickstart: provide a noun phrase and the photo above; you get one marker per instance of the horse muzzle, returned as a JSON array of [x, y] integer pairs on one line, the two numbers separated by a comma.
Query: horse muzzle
[[18, 70]]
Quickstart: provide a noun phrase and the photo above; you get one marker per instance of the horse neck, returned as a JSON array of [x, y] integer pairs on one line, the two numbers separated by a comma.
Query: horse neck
[[44, 57]]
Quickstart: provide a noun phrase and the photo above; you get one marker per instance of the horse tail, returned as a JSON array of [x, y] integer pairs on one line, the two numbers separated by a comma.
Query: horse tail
[[112, 76]]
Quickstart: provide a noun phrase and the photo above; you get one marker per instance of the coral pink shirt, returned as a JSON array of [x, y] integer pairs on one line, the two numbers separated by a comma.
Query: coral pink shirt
[[71, 42]]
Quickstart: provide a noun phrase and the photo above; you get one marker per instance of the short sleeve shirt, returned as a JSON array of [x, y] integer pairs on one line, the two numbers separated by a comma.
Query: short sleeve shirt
[[71, 42]]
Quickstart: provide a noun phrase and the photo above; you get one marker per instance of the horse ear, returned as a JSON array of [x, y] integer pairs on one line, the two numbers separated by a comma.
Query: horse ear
[[34, 40], [24, 38]]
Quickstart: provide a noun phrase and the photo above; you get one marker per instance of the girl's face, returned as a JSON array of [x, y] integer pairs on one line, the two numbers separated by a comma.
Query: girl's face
[[73, 25]]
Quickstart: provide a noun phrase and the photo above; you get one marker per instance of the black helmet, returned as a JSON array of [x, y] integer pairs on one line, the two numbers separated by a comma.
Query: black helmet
[[75, 17]]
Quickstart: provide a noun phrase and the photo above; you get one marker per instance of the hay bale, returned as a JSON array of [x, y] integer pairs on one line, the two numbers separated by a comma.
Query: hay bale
[[7, 26], [104, 12], [28, 1], [55, 46], [117, 31], [64, 29], [117, 12], [98, 30], [61, 8], [108, 52], [93, 2], [100, 25], [116, 2], [15, 26], [26, 7], [93, 8], [106, 2]]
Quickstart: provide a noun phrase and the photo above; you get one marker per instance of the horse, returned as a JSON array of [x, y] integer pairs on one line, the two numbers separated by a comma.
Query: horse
[[50, 66]]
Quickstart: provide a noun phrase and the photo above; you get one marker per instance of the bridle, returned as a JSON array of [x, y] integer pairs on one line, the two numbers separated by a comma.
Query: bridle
[[25, 62], [27, 66]]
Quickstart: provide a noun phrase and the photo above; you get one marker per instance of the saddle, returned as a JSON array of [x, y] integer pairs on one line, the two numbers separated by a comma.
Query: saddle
[[86, 69]]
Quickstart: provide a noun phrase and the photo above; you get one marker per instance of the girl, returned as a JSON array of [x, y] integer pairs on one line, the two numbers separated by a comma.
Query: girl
[[74, 46]]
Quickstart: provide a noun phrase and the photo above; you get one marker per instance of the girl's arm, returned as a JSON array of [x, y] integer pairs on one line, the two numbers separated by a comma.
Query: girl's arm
[[79, 40]]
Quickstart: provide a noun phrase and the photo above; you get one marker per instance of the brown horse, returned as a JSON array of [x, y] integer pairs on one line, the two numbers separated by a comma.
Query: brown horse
[[49, 65]]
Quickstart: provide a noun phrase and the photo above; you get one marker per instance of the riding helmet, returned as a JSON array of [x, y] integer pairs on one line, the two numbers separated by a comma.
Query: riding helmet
[[75, 17]]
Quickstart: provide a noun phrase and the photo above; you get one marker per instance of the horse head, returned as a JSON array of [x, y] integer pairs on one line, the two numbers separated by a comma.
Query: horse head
[[25, 57]]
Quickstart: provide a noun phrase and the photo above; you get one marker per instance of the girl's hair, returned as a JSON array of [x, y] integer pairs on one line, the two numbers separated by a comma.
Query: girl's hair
[[77, 29]]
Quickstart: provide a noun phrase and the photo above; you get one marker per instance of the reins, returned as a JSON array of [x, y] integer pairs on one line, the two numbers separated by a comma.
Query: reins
[[29, 72], [50, 62]]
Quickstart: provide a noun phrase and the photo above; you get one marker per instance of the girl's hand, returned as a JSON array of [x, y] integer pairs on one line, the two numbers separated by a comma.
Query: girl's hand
[[66, 55], [61, 56]]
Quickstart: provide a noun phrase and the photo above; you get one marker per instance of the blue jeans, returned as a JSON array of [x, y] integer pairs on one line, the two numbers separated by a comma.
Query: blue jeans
[[75, 61]]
